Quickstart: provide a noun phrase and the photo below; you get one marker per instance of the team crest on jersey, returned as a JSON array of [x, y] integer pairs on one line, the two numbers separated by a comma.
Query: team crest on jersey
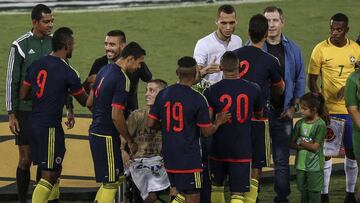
[[305, 131], [352, 60], [58, 160]]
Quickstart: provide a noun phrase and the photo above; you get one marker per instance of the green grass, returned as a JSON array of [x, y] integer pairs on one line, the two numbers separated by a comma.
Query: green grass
[[170, 33], [336, 191]]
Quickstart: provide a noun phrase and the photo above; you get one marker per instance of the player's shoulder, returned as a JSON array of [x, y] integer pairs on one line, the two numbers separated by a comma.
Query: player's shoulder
[[236, 38], [243, 49], [23, 38], [66, 67], [321, 122], [270, 58], [354, 76], [207, 38], [206, 41], [299, 122], [101, 61], [251, 84], [323, 44], [354, 44]]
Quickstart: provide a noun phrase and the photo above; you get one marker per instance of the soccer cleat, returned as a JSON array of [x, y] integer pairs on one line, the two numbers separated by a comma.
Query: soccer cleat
[[350, 198], [325, 198]]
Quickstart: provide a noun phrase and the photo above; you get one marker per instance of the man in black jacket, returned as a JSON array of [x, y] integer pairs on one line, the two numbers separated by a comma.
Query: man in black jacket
[[114, 43]]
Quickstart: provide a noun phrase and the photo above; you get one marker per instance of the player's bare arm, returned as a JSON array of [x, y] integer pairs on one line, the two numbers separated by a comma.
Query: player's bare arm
[[341, 93], [355, 115], [153, 124], [81, 98], [312, 79], [125, 155], [289, 113], [221, 118], [293, 145], [280, 86], [14, 124], [90, 100], [311, 146], [119, 121], [25, 92]]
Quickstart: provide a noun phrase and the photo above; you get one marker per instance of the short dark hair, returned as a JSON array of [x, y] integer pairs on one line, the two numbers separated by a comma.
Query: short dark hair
[[161, 83], [117, 33], [258, 27], [340, 17], [229, 61], [226, 8], [271, 9], [61, 37], [133, 49], [186, 67], [186, 62], [36, 13]]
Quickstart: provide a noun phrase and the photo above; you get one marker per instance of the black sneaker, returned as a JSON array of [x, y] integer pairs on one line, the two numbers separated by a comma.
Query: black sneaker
[[325, 198], [350, 198]]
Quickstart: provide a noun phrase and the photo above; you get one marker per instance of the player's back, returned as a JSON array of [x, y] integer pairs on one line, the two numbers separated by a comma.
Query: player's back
[[232, 141], [111, 82], [50, 78], [258, 66], [182, 110]]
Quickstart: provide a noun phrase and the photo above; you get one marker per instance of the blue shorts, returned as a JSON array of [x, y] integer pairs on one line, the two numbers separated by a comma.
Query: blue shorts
[[259, 128], [25, 128], [239, 174], [347, 138], [47, 147], [187, 183], [105, 151]]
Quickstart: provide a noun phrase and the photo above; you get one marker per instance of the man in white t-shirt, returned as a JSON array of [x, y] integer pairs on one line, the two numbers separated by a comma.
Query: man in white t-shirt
[[208, 50], [207, 53]]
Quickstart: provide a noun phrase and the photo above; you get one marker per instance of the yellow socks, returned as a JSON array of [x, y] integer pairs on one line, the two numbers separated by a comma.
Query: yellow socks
[[98, 194], [251, 196], [217, 194], [107, 192], [42, 191], [179, 199], [237, 199], [55, 192]]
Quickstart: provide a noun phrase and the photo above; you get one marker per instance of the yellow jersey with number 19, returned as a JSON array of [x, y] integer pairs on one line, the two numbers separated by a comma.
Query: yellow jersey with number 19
[[335, 64]]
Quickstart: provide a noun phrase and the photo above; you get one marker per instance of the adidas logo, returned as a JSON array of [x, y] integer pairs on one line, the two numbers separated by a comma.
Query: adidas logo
[[31, 51]]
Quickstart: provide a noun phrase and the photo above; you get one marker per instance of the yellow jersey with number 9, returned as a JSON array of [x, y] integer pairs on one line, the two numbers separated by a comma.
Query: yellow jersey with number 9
[[335, 64]]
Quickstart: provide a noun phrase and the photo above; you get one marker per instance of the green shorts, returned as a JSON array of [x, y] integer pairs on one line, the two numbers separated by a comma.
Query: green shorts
[[356, 143], [309, 181]]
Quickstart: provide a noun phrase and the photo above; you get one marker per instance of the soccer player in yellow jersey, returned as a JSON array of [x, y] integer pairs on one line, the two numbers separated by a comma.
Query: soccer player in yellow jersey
[[335, 59]]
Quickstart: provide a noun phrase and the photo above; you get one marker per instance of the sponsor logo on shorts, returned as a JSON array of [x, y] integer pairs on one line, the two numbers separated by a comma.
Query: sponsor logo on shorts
[[58, 160]]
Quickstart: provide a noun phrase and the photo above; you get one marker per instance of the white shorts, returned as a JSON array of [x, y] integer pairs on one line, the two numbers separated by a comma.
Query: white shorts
[[149, 175]]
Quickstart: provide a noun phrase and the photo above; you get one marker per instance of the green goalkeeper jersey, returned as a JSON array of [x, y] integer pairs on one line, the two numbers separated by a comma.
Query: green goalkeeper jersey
[[24, 50]]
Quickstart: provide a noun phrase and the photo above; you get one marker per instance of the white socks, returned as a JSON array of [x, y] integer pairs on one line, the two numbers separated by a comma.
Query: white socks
[[327, 174], [351, 172]]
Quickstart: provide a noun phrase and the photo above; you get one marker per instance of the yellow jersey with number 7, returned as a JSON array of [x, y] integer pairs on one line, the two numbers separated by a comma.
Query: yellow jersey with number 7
[[334, 64]]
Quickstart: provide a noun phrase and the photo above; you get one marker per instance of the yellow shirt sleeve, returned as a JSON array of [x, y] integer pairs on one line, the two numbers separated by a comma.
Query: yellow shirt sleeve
[[315, 61]]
